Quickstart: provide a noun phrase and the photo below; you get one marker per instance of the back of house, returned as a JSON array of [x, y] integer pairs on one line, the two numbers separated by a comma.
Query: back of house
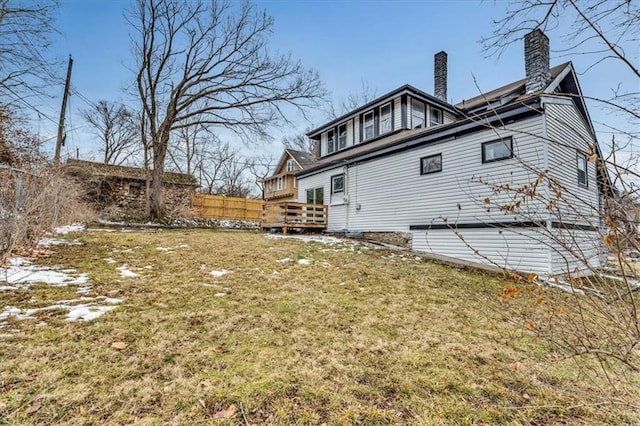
[[510, 178]]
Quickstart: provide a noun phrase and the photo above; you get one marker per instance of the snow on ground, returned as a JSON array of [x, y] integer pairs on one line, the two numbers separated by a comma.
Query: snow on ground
[[125, 272], [64, 230], [172, 249], [220, 273], [305, 261], [323, 239], [20, 274]]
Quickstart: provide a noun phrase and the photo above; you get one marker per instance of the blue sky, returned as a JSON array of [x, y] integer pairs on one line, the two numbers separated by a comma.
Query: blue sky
[[383, 43]]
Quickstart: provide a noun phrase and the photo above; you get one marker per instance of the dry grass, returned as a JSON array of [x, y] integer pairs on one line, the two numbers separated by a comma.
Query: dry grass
[[358, 336]]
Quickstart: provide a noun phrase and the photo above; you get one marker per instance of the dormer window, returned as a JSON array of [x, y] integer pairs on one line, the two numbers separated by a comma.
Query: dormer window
[[417, 114], [330, 142], [436, 117], [342, 136], [369, 128], [385, 118], [291, 166]]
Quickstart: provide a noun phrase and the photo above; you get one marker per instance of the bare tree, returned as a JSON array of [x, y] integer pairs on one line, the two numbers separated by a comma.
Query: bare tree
[[299, 142], [210, 60], [187, 148], [352, 101], [260, 167], [117, 128], [235, 182], [600, 322], [26, 29], [210, 167]]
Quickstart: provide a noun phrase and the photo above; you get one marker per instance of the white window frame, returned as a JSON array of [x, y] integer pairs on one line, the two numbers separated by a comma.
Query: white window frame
[[582, 169], [423, 114], [385, 120], [342, 138], [280, 183], [372, 126], [438, 113], [291, 165], [338, 178], [331, 142]]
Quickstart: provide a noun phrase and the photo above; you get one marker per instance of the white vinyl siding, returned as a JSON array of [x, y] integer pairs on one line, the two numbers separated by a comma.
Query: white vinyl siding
[[397, 113], [350, 133], [392, 194], [356, 130]]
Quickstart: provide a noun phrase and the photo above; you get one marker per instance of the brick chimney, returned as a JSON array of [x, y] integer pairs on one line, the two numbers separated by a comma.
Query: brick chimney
[[536, 61], [440, 75]]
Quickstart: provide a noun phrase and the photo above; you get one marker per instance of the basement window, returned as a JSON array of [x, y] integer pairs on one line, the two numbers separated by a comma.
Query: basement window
[[431, 164], [582, 169], [497, 150]]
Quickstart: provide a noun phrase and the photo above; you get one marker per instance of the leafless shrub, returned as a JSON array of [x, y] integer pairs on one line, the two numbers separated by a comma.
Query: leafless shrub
[[33, 201]]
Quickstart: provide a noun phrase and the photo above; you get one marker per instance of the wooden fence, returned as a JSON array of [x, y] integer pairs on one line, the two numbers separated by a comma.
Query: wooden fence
[[232, 208]]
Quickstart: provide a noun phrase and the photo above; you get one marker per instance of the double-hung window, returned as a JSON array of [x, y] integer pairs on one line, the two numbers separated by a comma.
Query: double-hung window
[[369, 127], [385, 119], [417, 114], [435, 117], [337, 183], [497, 150], [291, 166], [331, 145], [280, 183], [342, 136], [582, 169]]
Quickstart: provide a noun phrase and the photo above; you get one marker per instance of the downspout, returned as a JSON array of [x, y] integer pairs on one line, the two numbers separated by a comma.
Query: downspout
[[345, 170]]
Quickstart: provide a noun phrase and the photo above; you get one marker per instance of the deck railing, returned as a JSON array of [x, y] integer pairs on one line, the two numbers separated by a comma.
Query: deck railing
[[288, 215]]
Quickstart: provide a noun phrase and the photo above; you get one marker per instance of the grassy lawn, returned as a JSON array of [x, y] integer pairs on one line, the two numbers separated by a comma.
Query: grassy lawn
[[294, 333]]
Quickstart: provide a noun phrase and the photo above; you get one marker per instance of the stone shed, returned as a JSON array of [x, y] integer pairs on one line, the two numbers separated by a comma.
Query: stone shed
[[121, 191]]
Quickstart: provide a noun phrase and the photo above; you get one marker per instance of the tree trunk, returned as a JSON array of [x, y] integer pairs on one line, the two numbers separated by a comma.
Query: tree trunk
[[159, 154]]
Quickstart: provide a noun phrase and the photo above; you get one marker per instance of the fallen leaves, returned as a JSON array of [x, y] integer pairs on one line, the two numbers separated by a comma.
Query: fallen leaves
[[35, 406], [119, 345], [227, 413]]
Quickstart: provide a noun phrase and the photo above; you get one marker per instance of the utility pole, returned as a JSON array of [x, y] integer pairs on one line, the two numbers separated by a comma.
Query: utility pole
[[61, 135]]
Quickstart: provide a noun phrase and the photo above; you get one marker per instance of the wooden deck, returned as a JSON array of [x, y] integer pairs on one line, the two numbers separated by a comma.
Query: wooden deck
[[291, 215]]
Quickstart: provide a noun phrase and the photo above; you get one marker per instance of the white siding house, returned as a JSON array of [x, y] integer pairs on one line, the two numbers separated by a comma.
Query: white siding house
[[508, 178]]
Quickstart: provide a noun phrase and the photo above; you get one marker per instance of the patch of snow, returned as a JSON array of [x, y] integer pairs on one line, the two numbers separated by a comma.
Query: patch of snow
[[275, 272], [305, 261], [117, 250], [109, 260], [163, 248], [125, 272], [220, 294], [21, 272], [285, 260], [219, 273], [323, 239], [64, 230], [48, 242], [87, 312]]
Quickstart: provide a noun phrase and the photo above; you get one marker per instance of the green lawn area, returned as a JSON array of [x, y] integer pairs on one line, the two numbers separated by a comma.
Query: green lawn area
[[294, 333]]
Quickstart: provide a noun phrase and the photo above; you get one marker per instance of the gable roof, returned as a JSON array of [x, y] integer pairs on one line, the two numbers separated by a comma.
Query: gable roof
[[512, 92], [302, 158], [85, 168]]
